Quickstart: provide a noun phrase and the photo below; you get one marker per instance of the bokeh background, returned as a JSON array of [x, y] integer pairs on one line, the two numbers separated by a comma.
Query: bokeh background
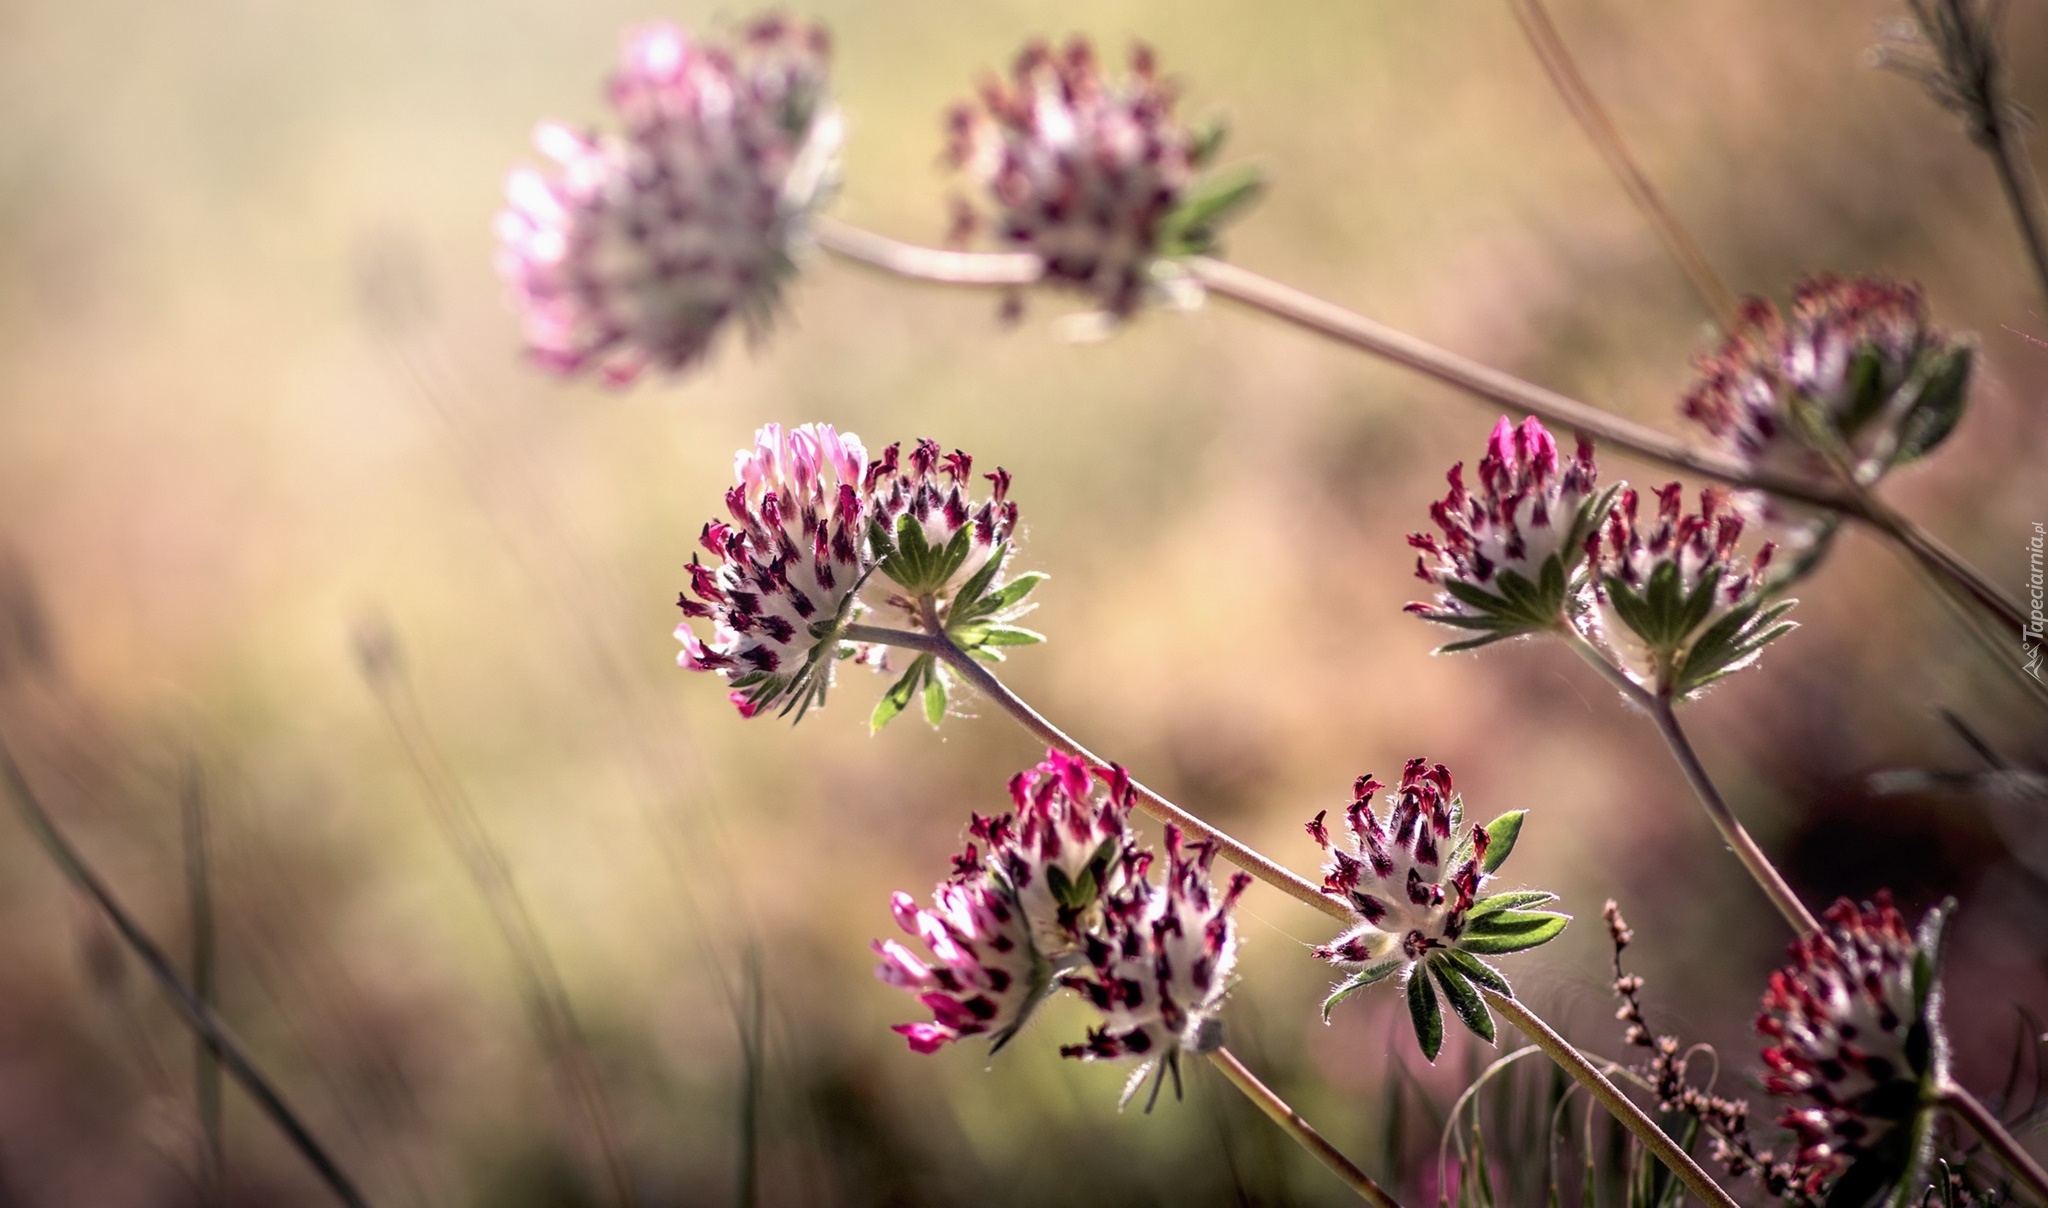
[[287, 518]]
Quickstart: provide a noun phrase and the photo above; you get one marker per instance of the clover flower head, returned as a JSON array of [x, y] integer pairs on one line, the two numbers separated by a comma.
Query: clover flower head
[[1412, 881], [982, 977], [1509, 554], [1094, 174], [1675, 607], [634, 249], [1160, 968], [1065, 850], [788, 563], [946, 549], [1857, 363], [1854, 1025], [927, 511]]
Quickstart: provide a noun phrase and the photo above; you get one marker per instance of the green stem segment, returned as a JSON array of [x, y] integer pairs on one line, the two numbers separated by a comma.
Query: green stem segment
[[2002, 1143], [198, 1015], [1638, 1122], [1556, 1047], [1304, 1134]]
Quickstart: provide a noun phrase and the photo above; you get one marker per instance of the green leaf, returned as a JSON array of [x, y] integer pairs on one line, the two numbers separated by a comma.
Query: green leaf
[[971, 591], [1506, 931], [910, 564], [1465, 1001], [1476, 970], [1360, 981], [1501, 834], [1472, 596], [1508, 901], [1206, 140], [1012, 635], [1940, 406], [1003, 598], [953, 557], [934, 700], [897, 698], [1192, 227], [1427, 1017]]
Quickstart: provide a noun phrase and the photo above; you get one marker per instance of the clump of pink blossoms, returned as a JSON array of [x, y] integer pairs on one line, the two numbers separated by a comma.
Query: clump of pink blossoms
[[1508, 560], [788, 563], [634, 249], [1856, 1040]]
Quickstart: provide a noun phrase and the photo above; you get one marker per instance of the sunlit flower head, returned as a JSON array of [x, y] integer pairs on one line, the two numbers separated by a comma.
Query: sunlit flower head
[[1676, 606], [981, 976], [632, 250], [1160, 968], [1065, 850], [1412, 880], [1509, 554], [1855, 1032], [1087, 169], [785, 567], [1856, 362]]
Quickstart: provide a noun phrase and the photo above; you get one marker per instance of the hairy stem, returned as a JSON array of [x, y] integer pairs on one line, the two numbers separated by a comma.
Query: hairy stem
[[198, 1015], [975, 672], [1753, 858], [1293, 1125], [2015, 1159], [1586, 109], [1011, 270], [1732, 831], [1624, 1109]]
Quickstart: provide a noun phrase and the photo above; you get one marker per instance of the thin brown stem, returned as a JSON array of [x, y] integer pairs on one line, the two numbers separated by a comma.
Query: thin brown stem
[[1586, 109], [1304, 1134], [1753, 858], [197, 1014], [2016, 177], [2015, 1159], [1624, 1109], [1334, 322], [935, 642]]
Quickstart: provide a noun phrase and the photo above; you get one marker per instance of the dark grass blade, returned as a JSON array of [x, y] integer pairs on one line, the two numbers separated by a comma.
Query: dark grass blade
[[196, 1013], [753, 1038], [205, 1056]]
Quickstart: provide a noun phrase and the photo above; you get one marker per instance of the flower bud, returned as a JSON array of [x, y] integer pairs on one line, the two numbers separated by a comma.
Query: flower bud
[[983, 976], [634, 249]]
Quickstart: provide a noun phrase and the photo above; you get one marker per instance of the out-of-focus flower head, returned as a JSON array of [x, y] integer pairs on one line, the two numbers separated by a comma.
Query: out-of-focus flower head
[[983, 976], [633, 250], [1856, 375], [1065, 850], [1856, 1044], [1509, 557], [1093, 173], [1412, 882], [1675, 607], [937, 542], [1159, 970], [787, 564]]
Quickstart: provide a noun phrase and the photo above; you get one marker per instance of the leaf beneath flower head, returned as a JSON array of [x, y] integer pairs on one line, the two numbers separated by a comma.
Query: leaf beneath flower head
[[1002, 599], [1501, 834], [934, 699], [1508, 901], [1424, 1013], [1506, 931], [1476, 971], [1465, 1001], [897, 698], [1359, 981]]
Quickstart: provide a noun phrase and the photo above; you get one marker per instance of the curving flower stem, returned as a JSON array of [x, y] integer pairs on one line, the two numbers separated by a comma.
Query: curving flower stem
[[1304, 1134], [1269, 297], [1753, 858], [1556, 1047], [1573, 1062], [2016, 176], [198, 1015], [2015, 1159], [972, 670]]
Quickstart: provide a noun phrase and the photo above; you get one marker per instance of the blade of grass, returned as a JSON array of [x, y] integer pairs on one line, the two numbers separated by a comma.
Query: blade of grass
[[205, 1056]]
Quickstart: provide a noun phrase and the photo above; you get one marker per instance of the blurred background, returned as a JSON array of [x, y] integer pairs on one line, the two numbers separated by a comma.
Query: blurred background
[[295, 546]]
